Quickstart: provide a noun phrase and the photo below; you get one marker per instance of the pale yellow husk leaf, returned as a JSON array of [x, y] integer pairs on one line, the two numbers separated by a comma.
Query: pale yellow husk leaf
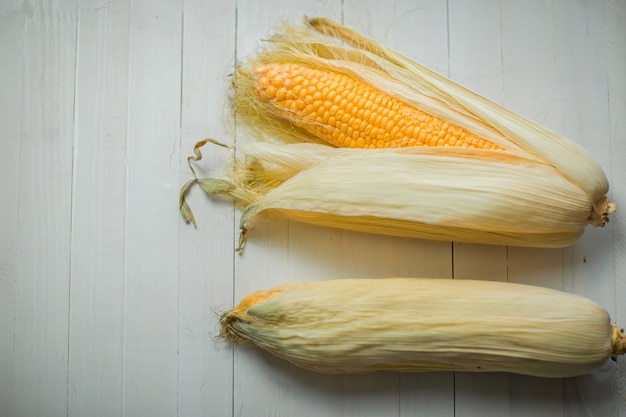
[[436, 196], [540, 190], [413, 324]]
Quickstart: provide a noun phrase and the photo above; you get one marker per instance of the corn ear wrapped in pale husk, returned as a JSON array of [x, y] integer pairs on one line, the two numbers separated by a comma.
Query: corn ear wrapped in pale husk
[[412, 324], [446, 163]]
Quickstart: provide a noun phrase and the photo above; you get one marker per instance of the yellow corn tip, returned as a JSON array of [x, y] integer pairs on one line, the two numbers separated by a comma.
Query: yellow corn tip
[[346, 112], [252, 299]]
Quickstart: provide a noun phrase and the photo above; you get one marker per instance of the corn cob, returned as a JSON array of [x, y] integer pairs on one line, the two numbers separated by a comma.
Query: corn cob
[[412, 324], [345, 112], [359, 137]]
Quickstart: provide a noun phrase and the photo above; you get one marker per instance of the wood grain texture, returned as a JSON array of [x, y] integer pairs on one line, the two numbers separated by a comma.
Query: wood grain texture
[[12, 26], [98, 213], [44, 179], [530, 90], [481, 71], [404, 26], [205, 367], [151, 270], [616, 67], [109, 303]]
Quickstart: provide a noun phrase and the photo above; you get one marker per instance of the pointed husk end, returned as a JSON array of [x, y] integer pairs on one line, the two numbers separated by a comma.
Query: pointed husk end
[[230, 318], [226, 327]]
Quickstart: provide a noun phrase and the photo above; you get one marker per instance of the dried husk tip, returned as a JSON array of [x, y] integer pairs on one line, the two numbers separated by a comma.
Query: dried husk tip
[[618, 341]]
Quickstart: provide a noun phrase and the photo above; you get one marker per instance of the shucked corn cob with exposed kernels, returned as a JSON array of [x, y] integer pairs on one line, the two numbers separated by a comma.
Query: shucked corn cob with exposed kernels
[[356, 136], [412, 324], [346, 112]]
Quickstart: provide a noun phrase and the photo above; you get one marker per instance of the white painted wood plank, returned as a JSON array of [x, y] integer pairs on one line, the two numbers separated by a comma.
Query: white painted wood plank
[[419, 31], [205, 366], [479, 69], [475, 58], [427, 395], [43, 225], [594, 394], [261, 383], [528, 60], [532, 396], [152, 220], [98, 220], [583, 116], [582, 85], [264, 384], [567, 68], [484, 262], [476, 62], [531, 90], [170, 362], [371, 395], [616, 63], [12, 25]]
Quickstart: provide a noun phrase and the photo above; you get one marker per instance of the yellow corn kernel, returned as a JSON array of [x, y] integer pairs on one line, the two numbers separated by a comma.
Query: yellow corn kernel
[[346, 112]]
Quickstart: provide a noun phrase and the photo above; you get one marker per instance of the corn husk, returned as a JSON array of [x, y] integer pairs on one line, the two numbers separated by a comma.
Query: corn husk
[[412, 324], [540, 190]]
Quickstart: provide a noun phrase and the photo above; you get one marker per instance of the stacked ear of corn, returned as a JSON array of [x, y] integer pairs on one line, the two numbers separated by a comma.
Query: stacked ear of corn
[[354, 135], [412, 324]]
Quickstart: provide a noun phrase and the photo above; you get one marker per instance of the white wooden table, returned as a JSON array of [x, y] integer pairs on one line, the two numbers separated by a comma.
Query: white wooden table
[[109, 302]]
